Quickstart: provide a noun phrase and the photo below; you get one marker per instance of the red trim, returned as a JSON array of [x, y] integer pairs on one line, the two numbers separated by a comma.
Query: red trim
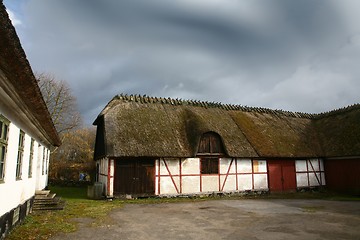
[[307, 172], [252, 173], [236, 174], [108, 177], [219, 174], [200, 174], [227, 174], [172, 179], [159, 176], [180, 172]]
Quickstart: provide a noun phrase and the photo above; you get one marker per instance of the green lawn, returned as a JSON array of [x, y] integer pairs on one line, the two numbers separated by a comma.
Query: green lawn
[[42, 225]]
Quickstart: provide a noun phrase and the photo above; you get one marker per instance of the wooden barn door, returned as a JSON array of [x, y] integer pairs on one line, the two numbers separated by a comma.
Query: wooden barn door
[[282, 176], [135, 176]]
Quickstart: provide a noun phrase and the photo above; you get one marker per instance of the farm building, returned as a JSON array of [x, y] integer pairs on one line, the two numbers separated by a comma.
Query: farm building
[[162, 146], [26, 130]]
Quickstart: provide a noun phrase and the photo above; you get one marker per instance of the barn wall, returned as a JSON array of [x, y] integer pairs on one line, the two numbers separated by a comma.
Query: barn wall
[[106, 175], [183, 176], [343, 175], [310, 173]]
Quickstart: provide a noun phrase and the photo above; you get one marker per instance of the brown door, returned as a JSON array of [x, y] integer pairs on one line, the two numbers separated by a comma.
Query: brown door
[[135, 176], [282, 176]]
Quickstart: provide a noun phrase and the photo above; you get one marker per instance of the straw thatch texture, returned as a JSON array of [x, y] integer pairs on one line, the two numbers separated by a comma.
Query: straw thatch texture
[[137, 126], [339, 132], [279, 136], [160, 130]]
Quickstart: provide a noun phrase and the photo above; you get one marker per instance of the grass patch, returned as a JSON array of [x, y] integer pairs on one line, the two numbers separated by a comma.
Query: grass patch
[[43, 225], [312, 209]]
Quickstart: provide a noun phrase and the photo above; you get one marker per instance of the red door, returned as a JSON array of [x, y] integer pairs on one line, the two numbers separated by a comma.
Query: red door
[[282, 176]]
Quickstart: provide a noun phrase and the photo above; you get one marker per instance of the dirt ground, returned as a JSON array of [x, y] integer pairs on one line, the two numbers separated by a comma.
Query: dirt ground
[[228, 219]]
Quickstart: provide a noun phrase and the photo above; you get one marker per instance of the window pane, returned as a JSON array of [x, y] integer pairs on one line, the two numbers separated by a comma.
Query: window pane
[[210, 143], [6, 129], [209, 165]]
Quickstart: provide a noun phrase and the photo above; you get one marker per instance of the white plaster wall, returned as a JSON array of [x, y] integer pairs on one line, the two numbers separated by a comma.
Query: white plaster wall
[[300, 166], [167, 186], [244, 166], [305, 175], [259, 166], [191, 184], [230, 183], [190, 166], [225, 164], [302, 180], [245, 182], [210, 183], [42, 178], [233, 175], [260, 181], [172, 166], [14, 192]]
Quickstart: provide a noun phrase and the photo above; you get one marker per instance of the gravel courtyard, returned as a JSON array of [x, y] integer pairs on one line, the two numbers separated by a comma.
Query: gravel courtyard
[[228, 219]]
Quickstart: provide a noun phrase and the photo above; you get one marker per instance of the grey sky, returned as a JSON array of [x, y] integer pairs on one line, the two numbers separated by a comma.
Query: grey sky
[[291, 55]]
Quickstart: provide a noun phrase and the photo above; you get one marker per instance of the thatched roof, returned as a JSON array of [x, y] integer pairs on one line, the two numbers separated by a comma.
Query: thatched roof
[[138, 127], [339, 131], [20, 78], [164, 127]]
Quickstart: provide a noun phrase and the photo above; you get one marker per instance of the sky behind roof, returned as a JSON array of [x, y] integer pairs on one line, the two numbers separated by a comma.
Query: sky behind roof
[[291, 55]]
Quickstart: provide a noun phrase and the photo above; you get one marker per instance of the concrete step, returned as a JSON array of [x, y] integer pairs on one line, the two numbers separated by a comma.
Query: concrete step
[[42, 192], [41, 197], [44, 200]]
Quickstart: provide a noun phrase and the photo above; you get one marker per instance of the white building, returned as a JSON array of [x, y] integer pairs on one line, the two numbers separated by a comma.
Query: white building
[[26, 131]]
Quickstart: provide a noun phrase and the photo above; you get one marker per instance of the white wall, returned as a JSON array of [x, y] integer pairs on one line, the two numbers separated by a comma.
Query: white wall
[[183, 176], [106, 175], [310, 173], [16, 191]]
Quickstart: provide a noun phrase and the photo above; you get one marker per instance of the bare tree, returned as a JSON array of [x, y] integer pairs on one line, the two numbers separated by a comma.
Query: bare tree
[[60, 102], [74, 156]]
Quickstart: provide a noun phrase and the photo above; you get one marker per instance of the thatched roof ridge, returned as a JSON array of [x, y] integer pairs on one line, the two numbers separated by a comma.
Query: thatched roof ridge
[[338, 111], [205, 104]]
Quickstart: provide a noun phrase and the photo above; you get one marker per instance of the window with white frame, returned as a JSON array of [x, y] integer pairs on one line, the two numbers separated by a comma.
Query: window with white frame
[[43, 162], [4, 132], [20, 155], [31, 158]]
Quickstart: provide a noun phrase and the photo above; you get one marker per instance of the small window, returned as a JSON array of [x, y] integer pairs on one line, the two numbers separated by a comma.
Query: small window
[[209, 165], [43, 161], [210, 143], [4, 132], [31, 157], [20, 155]]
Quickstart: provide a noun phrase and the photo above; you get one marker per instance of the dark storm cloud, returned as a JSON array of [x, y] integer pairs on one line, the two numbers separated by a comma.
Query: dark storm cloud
[[296, 55]]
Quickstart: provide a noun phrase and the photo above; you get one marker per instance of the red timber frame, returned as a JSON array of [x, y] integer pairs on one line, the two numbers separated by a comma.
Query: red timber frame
[[221, 184]]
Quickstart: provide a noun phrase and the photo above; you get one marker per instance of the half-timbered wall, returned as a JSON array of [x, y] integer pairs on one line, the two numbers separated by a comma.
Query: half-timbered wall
[[183, 176], [310, 173], [106, 175]]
